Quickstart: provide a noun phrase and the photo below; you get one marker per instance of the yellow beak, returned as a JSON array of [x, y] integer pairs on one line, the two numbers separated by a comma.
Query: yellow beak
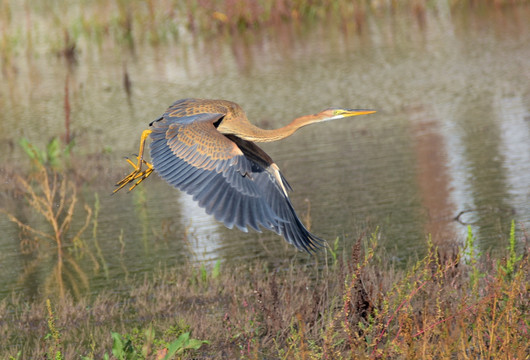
[[351, 112]]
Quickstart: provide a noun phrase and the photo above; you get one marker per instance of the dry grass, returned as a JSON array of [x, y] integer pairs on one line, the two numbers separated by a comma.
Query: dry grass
[[52, 198], [356, 307]]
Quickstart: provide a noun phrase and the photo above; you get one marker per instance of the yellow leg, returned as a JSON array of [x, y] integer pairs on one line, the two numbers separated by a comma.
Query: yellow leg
[[137, 172]]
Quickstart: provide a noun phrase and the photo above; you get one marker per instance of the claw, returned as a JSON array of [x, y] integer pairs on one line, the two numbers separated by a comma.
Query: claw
[[133, 164], [137, 173], [143, 175]]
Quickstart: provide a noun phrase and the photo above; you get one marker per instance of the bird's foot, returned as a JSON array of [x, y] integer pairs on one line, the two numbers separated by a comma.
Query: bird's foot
[[137, 174]]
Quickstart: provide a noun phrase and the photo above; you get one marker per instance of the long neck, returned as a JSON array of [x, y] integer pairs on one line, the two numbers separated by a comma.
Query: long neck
[[245, 130]]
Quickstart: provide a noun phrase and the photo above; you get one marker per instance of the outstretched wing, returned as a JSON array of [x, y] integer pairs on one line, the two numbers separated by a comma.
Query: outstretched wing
[[273, 188], [232, 179]]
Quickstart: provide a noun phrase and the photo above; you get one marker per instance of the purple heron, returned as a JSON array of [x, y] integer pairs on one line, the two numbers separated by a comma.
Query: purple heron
[[206, 149]]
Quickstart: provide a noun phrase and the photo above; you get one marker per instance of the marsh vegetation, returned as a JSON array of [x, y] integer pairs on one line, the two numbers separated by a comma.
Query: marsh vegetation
[[452, 302], [426, 207]]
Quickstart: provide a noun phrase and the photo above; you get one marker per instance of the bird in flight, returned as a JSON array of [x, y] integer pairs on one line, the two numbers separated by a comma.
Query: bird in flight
[[207, 149]]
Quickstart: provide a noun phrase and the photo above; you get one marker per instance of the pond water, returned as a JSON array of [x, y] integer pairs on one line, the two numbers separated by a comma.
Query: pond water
[[450, 139]]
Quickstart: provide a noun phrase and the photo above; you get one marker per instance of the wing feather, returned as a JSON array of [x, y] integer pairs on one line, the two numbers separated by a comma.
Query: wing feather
[[232, 179], [242, 216], [208, 198], [232, 209]]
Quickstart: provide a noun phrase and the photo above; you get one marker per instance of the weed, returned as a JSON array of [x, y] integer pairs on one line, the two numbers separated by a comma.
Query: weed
[[123, 349], [53, 156], [183, 343], [216, 270], [54, 198], [134, 347], [359, 307], [54, 351], [471, 256], [513, 258], [203, 276], [333, 251], [95, 240]]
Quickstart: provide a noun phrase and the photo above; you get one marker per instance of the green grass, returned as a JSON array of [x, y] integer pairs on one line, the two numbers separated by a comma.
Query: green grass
[[356, 306]]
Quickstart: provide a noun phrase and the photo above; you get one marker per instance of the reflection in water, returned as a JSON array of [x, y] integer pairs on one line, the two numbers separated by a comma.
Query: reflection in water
[[463, 146], [514, 124], [49, 247], [456, 164], [201, 229], [485, 172], [433, 179]]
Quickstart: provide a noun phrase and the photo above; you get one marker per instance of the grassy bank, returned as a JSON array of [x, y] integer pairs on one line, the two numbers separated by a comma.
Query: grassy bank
[[445, 305], [63, 27]]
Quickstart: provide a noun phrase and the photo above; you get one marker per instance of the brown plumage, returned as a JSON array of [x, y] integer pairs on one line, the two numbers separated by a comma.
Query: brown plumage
[[206, 148]]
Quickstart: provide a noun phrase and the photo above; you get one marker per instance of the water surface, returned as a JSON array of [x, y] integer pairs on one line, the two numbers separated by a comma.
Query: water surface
[[451, 136]]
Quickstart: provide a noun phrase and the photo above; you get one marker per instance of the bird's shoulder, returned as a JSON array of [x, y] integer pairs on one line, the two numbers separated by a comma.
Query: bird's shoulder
[[190, 110]]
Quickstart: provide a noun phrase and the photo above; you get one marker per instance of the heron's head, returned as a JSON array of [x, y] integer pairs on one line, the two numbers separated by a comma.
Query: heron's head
[[338, 113]]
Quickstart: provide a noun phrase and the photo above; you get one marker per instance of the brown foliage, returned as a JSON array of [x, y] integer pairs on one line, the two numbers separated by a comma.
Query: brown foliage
[[357, 307]]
